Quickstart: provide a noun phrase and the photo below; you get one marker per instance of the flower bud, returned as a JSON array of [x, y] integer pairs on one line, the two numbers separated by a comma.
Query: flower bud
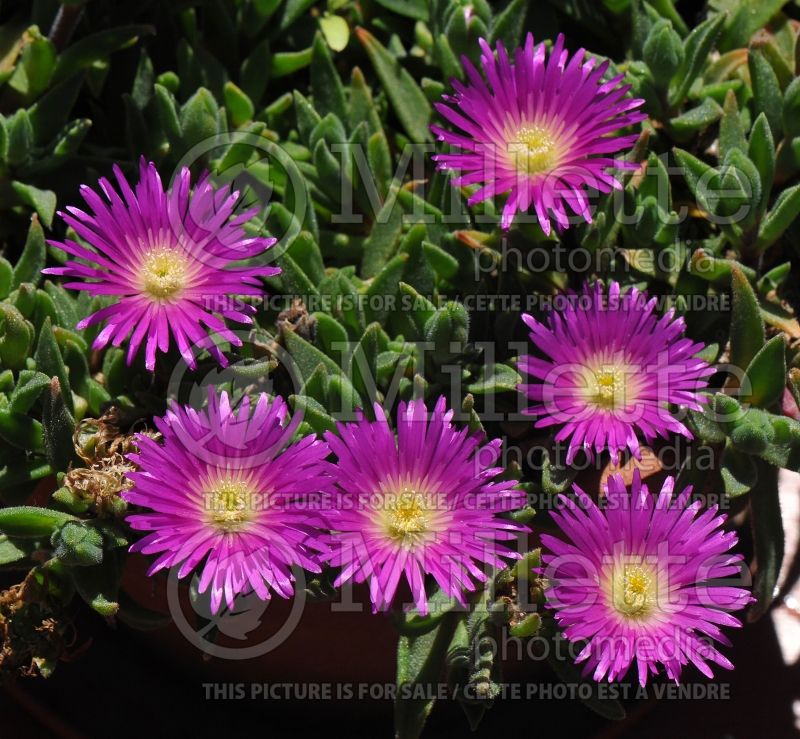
[[753, 433], [663, 52], [16, 337], [77, 544]]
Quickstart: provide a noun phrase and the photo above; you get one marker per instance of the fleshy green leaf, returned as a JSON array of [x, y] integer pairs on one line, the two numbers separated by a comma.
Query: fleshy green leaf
[[556, 478], [445, 265], [27, 391], [409, 102], [380, 245], [50, 362], [765, 513], [31, 522], [16, 336], [416, 9], [21, 431], [738, 470], [99, 586], [700, 177], [782, 215], [167, 114], [331, 335], [767, 373], [42, 201], [326, 85], [36, 65], [363, 363], [292, 11], [307, 356], [697, 48], [31, 262], [704, 426], [6, 275], [49, 113], [10, 552], [761, 151], [508, 25], [335, 30], [790, 114], [199, 118], [419, 663], [19, 130], [97, 47], [692, 121], [238, 104], [731, 130], [78, 545], [59, 427], [384, 286], [294, 279], [417, 307], [495, 379], [313, 413], [747, 327], [284, 63], [745, 19], [766, 91]]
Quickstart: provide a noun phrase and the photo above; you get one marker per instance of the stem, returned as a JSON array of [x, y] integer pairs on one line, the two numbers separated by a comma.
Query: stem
[[64, 24]]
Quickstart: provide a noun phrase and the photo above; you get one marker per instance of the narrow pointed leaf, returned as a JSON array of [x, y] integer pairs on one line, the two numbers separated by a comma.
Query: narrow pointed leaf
[[767, 524], [31, 262], [409, 102], [767, 373], [767, 95], [747, 328]]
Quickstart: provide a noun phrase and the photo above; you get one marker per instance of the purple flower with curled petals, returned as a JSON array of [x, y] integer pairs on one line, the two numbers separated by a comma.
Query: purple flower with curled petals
[[612, 366], [229, 490], [641, 579], [418, 503], [540, 128], [165, 257]]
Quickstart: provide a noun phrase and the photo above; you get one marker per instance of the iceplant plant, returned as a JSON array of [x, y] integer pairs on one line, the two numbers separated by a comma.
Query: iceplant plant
[[226, 493], [538, 128], [607, 366], [164, 257], [421, 502], [641, 579]]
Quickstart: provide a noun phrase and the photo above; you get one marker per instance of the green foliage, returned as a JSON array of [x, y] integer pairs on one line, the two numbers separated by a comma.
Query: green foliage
[[419, 663]]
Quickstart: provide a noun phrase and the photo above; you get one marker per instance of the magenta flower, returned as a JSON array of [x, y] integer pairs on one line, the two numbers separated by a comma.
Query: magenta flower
[[418, 504], [635, 581], [232, 490], [165, 259], [612, 368], [540, 129]]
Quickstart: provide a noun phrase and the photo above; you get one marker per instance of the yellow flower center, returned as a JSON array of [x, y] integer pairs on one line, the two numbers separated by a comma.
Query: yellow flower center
[[407, 516], [163, 273], [231, 504], [534, 150], [609, 385], [633, 590]]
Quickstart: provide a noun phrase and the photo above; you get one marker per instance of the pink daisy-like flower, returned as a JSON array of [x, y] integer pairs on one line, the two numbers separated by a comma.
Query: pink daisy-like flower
[[229, 488], [613, 367], [539, 129], [421, 503], [636, 580], [165, 257]]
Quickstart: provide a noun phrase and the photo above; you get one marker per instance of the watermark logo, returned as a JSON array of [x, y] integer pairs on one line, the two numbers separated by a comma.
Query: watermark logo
[[245, 631]]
